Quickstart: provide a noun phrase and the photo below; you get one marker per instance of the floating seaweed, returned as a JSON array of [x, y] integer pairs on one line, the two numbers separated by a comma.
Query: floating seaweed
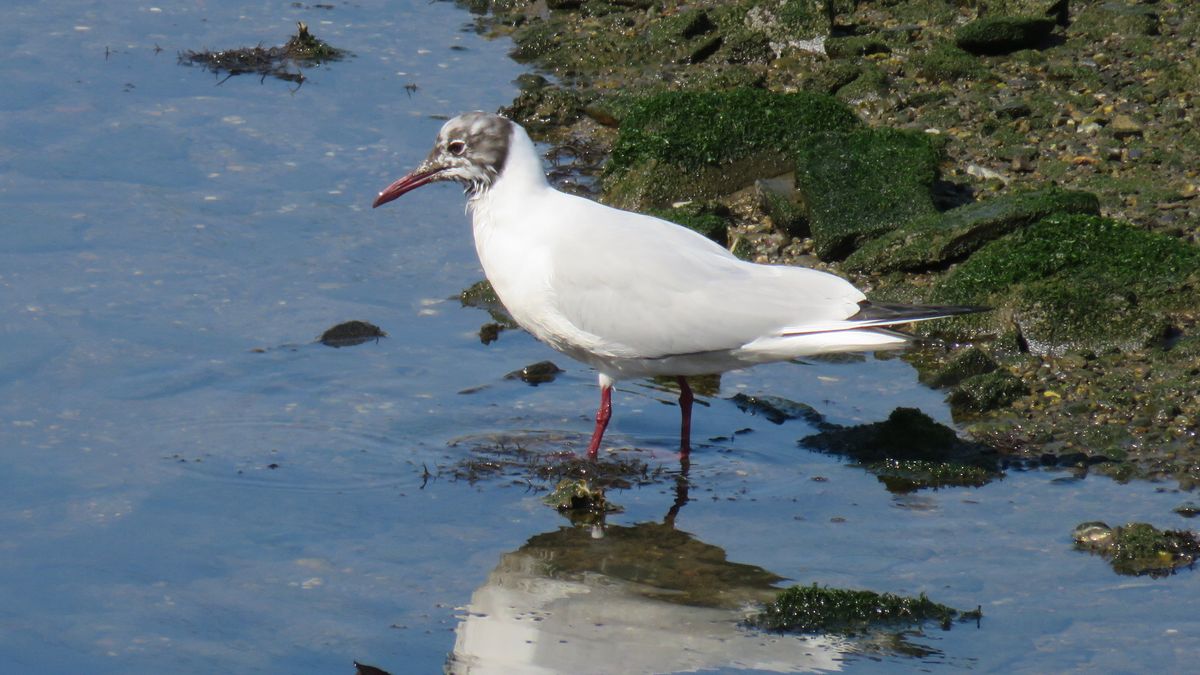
[[302, 50]]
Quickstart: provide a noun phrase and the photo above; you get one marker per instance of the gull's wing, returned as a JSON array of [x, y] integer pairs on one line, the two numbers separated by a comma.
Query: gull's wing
[[634, 286]]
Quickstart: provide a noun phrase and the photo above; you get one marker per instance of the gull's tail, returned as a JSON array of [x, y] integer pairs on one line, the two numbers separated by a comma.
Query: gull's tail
[[884, 314]]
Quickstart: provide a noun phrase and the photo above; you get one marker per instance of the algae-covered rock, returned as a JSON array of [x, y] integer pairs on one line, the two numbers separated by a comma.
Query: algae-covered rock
[[351, 333], [1076, 283], [1138, 548], [816, 609], [860, 184], [935, 241], [1003, 34], [778, 410], [709, 219], [988, 391], [909, 451], [1103, 19], [966, 363], [699, 145], [536, 373], [946, 62], [580, 499]]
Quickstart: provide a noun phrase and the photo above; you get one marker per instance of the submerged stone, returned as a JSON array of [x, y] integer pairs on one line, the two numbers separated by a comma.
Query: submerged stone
[[936, 241], [995, 35], [1076, 283], [815, 609], [351, 333], [1138, 548], [678, 146], [536, 373], [778, 410], [860, 184]]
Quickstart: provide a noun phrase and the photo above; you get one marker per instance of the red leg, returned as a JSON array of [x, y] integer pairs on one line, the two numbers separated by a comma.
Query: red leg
[[602, 416], [685, 415]]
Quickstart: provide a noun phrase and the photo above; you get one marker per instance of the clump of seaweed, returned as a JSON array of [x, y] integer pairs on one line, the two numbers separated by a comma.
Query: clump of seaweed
[[302, 50], [1138, 549], [816, 609]]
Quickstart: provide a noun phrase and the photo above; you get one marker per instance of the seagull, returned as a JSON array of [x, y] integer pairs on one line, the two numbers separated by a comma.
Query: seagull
[[635, 296]]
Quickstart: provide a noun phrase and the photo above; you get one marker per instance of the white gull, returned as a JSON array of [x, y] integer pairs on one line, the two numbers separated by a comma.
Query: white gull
[[632, 295]]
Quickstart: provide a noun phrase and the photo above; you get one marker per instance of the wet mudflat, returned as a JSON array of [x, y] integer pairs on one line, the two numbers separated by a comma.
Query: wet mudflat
[[193, 484]]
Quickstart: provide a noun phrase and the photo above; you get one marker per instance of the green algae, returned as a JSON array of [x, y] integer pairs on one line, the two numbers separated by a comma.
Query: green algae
[[946, 62], [860, 184], [994, 35], [909, 451], [709, 219], [988, 391], [966, 363], [816, 609], [937, 240], [1076, 283], [1137, 549], [676, 146]]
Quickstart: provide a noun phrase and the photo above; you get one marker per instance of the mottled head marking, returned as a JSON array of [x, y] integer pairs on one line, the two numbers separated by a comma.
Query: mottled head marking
[[471, 149]]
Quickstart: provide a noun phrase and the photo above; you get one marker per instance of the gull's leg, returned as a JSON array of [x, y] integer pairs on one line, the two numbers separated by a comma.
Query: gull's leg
[[602, 415], [685, 416]]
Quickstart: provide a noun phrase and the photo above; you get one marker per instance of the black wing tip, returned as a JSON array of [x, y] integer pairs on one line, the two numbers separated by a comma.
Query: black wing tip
[[876, 312]]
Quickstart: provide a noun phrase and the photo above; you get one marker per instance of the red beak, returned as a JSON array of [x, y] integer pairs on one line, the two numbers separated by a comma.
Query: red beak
[[420, 176]]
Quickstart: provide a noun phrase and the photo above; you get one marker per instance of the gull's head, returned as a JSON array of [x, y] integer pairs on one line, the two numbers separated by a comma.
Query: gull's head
[[470, 149]]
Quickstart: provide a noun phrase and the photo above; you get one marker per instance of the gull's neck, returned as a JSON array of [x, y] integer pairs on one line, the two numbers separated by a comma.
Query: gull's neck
[[522, 178]]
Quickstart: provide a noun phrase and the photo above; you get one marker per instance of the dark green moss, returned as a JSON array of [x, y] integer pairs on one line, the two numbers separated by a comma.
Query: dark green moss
[[988, 391], [945, 62], [710, 220], [698, 145], [1003, 34], [717, 127], [855, 45], [861, 184], [909, 451], [814, 609], [936, 241], [481, 295], [966, 363], [1076, 283], [1139, 548], [1116, 18]]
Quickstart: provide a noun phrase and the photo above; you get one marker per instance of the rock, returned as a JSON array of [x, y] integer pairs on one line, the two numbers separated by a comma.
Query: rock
[[935, 241], [823, 610], [864, 183], [680, 146], [946, 62], [1102, 19], [536, 373], [778, 410], [981, 393], [909, 451], [1124, 126], [1076, 283], [351, 333], [1137, 549], [777, 199], [855, 45], [995, 35], [966, 363], [709, 219]]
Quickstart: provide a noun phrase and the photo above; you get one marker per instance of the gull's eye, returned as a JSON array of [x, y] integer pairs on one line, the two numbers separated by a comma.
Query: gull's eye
[[456, 147]]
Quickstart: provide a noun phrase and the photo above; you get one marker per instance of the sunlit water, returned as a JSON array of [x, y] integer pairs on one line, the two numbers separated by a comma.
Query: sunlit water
[[190, 485]]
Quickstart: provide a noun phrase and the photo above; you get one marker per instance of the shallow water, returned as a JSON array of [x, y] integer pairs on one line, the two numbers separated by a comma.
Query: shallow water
[[191, 485]]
